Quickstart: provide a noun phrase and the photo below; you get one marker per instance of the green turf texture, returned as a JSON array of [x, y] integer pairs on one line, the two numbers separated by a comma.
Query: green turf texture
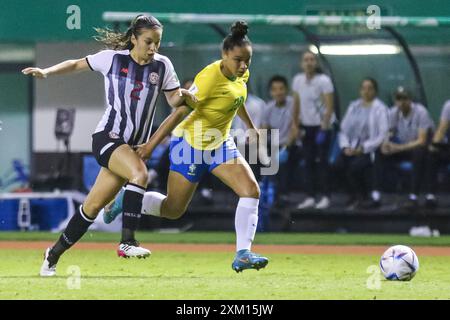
[[172, 275], [229, 237]]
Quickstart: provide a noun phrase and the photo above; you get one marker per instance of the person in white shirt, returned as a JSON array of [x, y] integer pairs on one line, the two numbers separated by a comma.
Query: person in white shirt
[[363, 129], [410, 125], [314, 112]]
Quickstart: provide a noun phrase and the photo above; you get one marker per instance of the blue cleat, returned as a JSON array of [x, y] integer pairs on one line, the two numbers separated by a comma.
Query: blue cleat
[[111, 212], [245, 259]]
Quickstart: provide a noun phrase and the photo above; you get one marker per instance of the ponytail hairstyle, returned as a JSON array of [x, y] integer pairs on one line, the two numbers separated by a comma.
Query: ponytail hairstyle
[[122, 40], [237, 36]]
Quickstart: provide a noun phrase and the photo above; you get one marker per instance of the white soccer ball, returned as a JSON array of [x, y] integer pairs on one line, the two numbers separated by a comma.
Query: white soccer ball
[[399, 263]]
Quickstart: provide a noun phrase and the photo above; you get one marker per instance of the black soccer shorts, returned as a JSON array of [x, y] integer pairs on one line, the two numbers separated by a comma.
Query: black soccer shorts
[[104, 144]]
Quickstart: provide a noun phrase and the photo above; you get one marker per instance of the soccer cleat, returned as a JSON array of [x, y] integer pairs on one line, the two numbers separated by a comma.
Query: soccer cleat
[[245, 259], [48, 269], [111, 211], [132, 249]]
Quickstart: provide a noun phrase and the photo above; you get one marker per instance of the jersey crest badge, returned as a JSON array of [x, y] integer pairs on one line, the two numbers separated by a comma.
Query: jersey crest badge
[[153, 78]]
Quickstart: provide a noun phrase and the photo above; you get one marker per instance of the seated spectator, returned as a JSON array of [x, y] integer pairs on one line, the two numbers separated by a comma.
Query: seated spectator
[[409, 124], [363, 130], [279, 115], [439, 154]]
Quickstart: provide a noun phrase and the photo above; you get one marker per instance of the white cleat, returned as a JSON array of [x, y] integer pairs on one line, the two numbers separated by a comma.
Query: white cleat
[[324, 203], [307, 203], [129, 250], [47, 270]]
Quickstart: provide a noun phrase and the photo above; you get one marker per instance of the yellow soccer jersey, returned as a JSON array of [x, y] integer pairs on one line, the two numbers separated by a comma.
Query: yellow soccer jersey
[[219, 98]]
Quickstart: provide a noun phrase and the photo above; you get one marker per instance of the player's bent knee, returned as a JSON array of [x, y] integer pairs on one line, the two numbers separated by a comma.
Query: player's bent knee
[[175, 213], [252, 191], [256, 192], [139, 176]]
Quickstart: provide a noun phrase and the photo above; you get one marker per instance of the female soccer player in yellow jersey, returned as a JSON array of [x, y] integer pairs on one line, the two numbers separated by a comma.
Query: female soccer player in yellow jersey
[[201, 142]]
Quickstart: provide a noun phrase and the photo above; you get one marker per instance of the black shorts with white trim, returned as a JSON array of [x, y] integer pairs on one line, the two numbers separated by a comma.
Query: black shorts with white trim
[[103, 145]]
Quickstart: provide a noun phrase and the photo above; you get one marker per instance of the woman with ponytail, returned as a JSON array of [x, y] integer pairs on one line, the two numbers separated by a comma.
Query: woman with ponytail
[[135, 73]]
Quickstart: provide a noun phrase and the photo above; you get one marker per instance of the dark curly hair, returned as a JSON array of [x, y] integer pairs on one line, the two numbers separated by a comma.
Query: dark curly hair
[[237, 36]]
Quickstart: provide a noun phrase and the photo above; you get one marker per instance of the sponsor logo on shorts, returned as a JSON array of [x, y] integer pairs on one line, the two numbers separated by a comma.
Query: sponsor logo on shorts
[[192, 168], [113, 135], [153, 78]]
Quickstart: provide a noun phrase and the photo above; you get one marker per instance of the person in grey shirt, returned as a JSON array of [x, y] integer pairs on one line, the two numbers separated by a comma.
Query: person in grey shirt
[[410, 125], [279, 115], [439, 154], [363, 130]]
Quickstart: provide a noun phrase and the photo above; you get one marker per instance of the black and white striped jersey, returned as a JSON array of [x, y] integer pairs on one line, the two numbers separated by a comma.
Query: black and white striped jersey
[[131, 92]]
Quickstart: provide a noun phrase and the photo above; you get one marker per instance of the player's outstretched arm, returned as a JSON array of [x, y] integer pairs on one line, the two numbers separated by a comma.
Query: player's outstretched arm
[[177, 97], [245, 117], [68, 66]]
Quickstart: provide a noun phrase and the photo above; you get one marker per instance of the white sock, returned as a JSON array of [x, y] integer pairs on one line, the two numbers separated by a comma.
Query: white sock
[[245, 222], [151, 204]]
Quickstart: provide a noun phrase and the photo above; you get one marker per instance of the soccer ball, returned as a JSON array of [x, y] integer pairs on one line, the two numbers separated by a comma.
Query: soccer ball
[[399, 263]]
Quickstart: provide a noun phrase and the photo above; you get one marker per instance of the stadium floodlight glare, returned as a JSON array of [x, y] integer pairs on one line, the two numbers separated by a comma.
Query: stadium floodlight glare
[[357, 49]]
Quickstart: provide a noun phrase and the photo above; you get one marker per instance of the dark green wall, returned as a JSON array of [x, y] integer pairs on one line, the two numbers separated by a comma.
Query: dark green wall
[[45, 20]]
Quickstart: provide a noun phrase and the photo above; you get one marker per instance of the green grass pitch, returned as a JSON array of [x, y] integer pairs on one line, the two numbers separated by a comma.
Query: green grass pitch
[[178, 275], [229, 237]]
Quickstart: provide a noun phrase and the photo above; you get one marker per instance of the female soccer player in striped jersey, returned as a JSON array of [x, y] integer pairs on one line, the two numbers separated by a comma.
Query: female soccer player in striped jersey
[[202, 143], [134, 76]]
